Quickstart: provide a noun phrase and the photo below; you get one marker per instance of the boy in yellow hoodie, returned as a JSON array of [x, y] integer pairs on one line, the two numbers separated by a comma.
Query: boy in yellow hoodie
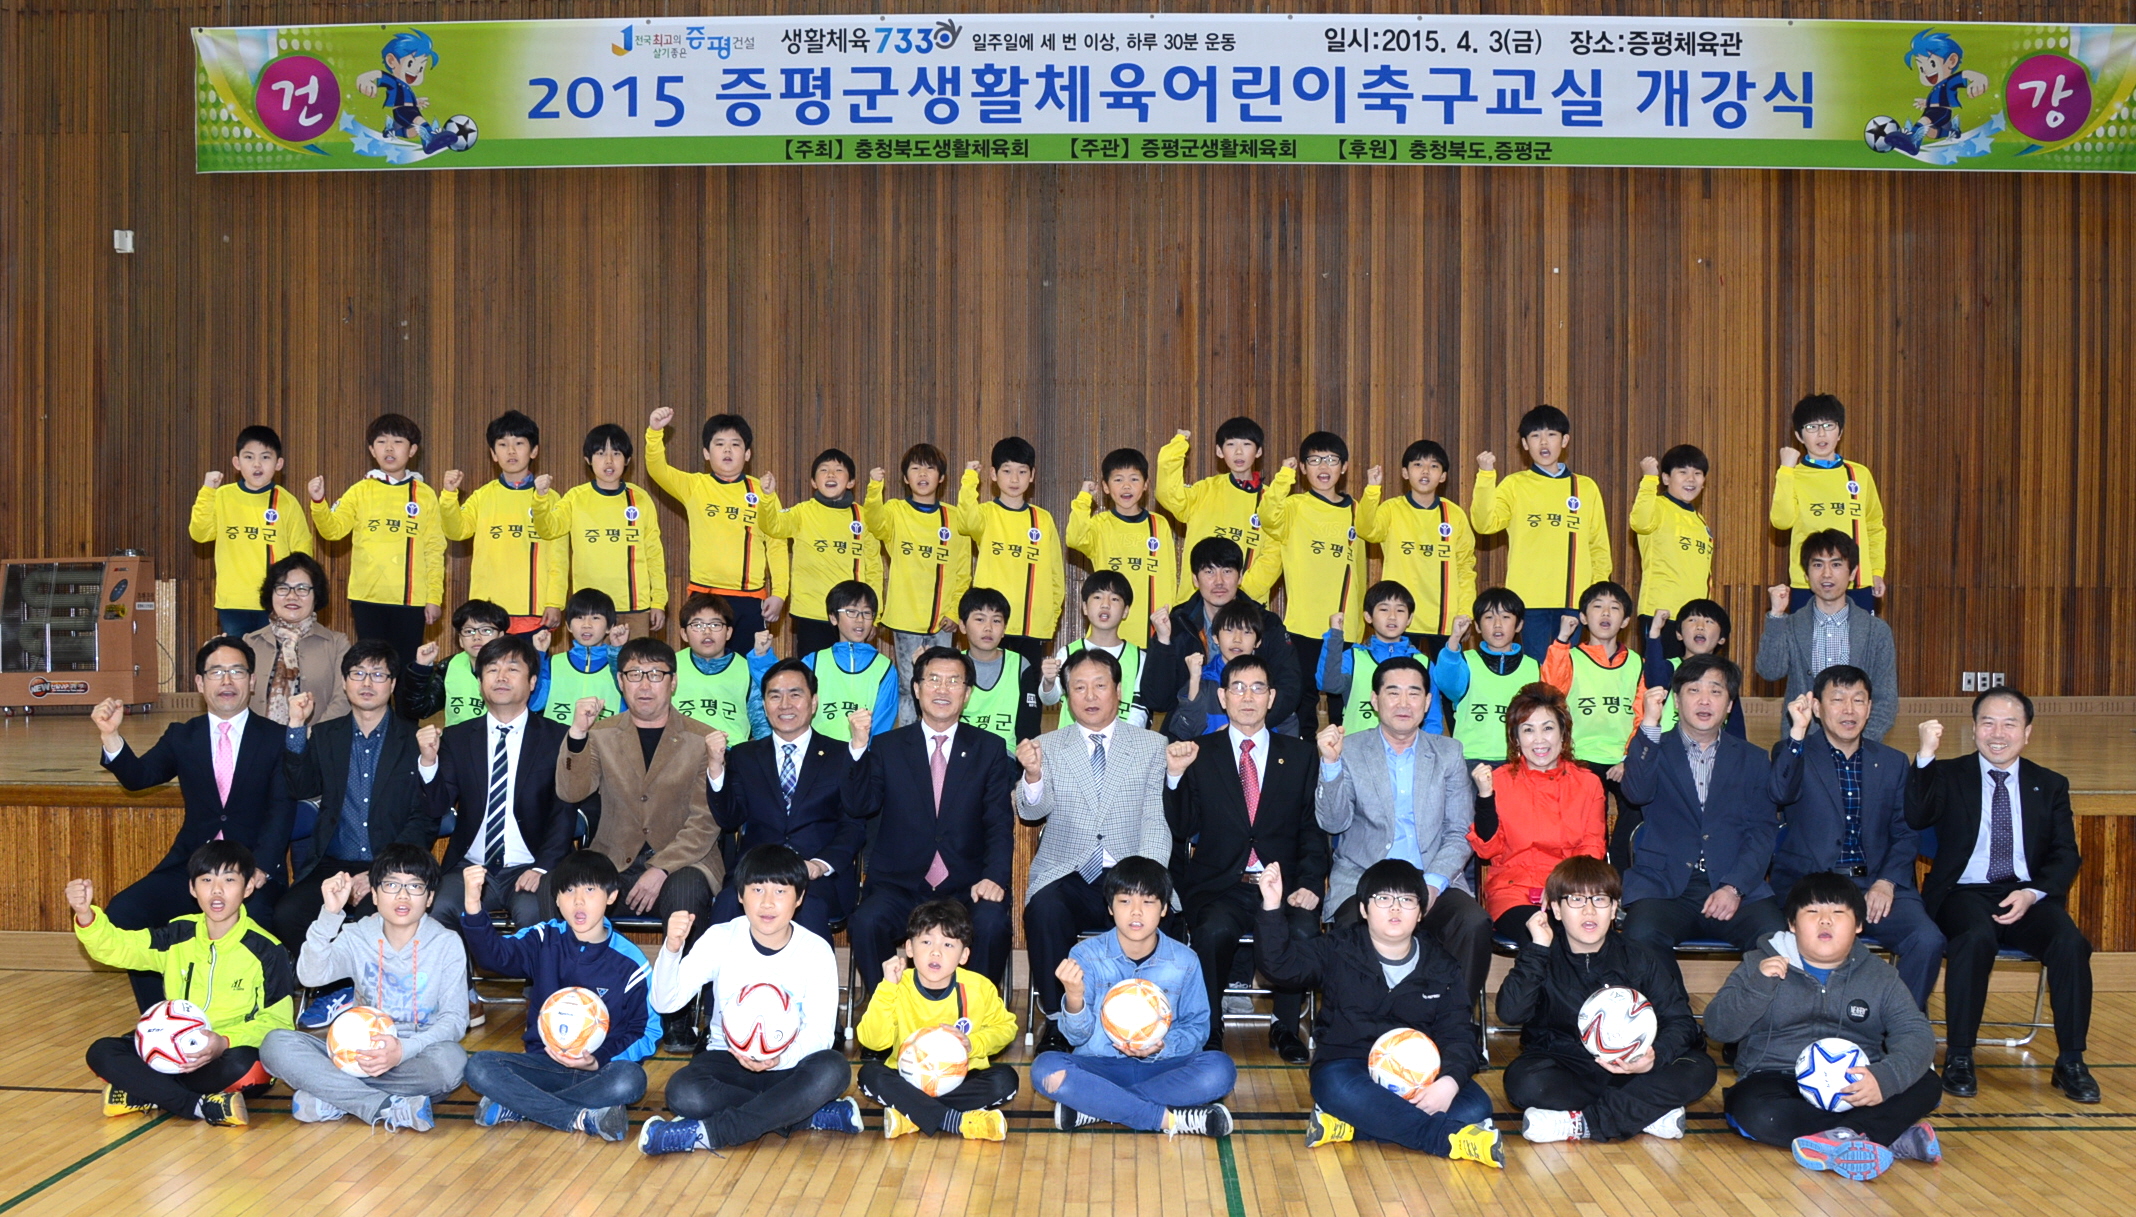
[[830, 544], [1557, 534], [1126, 538], [933, 989], [1815, 489], [397, 559], [1323, 557]]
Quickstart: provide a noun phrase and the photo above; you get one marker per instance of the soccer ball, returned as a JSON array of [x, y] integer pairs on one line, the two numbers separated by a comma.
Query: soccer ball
[[171, 1031], [1878, 134], [935, 1059], [462, 130], [1136, 1014], [1821, 1071], [761, 1022], [1617, 1024], [574, 1021], [1404, 1061], [355, 1030]]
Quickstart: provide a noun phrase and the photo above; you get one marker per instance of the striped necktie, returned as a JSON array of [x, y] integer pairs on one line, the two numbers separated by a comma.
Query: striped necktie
[[500, 796]]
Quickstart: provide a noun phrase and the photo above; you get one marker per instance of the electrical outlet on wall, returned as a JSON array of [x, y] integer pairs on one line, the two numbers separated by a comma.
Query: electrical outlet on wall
[[1968, 683]]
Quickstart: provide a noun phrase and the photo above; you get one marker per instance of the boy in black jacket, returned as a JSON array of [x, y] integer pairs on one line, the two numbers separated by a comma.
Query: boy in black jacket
[[1376, 975], [1568, 1094]]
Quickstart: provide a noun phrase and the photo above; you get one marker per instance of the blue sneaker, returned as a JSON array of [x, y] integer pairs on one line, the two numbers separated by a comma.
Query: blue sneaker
[[326, 1007], [1844, 1152], [489, 1113], [838, 1115], [607, 1123], [309, 1108], [671, 1135], [406, 1112]]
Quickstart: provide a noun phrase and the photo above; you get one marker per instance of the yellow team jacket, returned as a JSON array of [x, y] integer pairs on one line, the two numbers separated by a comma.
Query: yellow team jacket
[[930, 562], [1557, 534], [1218, 507], [898, 1010], [1140, 548], [1675, 550], [830, 545], [398, 555], [516, 564], [1807, 499], [1323, 560], [1432, 552], [728, 548], [1018, 553], [251, 531], [614, 540]]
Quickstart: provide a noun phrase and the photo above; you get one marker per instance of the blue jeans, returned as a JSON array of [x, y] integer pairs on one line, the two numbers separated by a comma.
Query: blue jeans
[[239, 622], [1134, 1093], [1345, 1089], [530, 1085]]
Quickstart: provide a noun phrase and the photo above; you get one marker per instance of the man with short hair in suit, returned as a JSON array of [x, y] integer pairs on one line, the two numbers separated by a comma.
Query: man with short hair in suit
[[1706, 837], [228, 763], [2005, 857], [948, 831], [1831, 629], [1394, 791], [1241, 800], [1843, 801], [1098, 784], [795, 787]]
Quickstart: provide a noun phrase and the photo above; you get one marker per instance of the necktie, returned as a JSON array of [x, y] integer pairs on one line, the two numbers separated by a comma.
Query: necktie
[[1094, 865], [938, 767], [225, 761], [1250, 786], [1097, 757], [788, 775], [2001, 839], [500, 795]]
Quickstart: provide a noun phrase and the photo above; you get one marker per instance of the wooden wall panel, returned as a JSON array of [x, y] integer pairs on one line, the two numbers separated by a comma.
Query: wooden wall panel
[[57, 833]]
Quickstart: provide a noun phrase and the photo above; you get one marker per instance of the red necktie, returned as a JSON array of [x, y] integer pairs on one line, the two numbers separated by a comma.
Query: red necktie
[[1250, 785]]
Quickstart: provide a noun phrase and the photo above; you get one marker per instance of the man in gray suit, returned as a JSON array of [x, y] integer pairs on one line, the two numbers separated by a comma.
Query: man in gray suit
[[1098, 783], [1831, 629], [1393, 791]]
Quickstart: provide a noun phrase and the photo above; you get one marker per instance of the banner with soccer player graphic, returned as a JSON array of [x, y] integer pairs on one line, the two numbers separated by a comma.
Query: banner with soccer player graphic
[[1410, 89]]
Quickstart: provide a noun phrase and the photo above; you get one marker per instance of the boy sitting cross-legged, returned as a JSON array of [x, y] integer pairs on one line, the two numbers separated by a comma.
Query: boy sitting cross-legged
[[401, 962], [935, 990]]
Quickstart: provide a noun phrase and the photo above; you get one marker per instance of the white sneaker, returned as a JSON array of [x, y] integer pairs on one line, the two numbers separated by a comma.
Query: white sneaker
[[1670, 1127], [1540, 1124], [1238, 1003]]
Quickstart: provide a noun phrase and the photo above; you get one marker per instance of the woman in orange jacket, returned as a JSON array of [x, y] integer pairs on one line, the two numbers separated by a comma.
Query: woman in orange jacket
[[1533, 812]]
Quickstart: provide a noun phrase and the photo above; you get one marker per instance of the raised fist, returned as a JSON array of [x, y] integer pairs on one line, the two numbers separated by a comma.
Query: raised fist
[[1661, 618], [1481, 775], [107, 716], [1330, 742], [859, 724], [660, 419], [1180, 755], [1335, 622], [542, 482], [1462, 625], [213, 479], [453, 478], [1049, 669], [1090, 488], [426, 655], [1291, 463], [471, 879], [300, 708], [317, 489], [81, 894], [763, 642], [1182, 433], [876, 475], [1487, 461], [971, 466], [335, 890], [1931, 736], [426, 742], [680, 922], [541, 642], [1372, 475], [1799, 713], [1070, 974], [1650, 709], [770, 484], [1779, 593], [619, 633], [1789, 457], [584, 714], [1649, 467], [1032, 758], [1161, 626]]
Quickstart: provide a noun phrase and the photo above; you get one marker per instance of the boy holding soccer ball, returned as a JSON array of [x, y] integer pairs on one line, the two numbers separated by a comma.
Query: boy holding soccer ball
[[1814, 982], [251, 997], [935, 990]]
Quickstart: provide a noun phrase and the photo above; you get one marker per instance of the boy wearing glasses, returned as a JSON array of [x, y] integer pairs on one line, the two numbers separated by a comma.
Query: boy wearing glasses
[[1571, 951], [715, 685], [1314, 537], [1815, 489], [455, 688], [853, 682]]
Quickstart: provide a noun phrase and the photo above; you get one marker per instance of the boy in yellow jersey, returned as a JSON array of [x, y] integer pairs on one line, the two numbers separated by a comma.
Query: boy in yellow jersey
[[1427, 546], [830, 544], [613, 530], [936, 990], [1478, 684], [1229, 505], [1323, 558], [1345, 672], [1675, 543], [1126, 537], [930, 562], [1017, 549], [1004, 696], [515, 564], [1604, 683], [1557, 534], [850, 673], [714, 684], [1108, 600], [397, 560], [1815, 489], [589, 661], [253, 524], [730, 553]]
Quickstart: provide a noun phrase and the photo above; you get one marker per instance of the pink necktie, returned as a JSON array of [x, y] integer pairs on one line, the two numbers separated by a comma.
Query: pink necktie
[[938, 766], [225, 761], [1250, 785]]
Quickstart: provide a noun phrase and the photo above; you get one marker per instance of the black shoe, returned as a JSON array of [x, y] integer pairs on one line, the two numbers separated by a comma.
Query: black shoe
[[683, 1038], [1728, 1055], [1053, 1040], [2074, 1080], [1958, 1078], [1288, 1046], [1215, 1042]]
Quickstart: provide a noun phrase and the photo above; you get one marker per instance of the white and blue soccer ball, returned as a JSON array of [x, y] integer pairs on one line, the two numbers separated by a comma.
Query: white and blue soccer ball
[[1880, 131], [1821, 1071], [462, 130]]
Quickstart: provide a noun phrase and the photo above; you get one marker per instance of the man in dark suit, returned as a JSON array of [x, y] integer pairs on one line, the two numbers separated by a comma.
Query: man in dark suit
[[228, 763], [795, 787], [2005, 857], [1218, 564], [948, 831], [1240, 800], [1842, 798], [1698, 869], [361, 768]]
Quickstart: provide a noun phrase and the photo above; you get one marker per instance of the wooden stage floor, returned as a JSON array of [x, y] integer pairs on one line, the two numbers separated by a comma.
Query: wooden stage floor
[[2020, 1142]]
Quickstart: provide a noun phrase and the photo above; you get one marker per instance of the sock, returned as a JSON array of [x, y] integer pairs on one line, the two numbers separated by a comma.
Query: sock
[[953, 1122]]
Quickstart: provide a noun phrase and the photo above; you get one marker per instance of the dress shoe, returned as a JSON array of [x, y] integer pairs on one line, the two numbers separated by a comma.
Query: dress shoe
[[2074, 1080], [1958, 1077], [1054, 1040], [1288, 1046]]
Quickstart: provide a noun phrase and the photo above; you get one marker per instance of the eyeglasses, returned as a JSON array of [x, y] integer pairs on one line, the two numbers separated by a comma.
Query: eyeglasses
[[368, 676], [1581, 902], [1819, 428], [226, 673], [1323, 460], [394, 887], [943, 680], [638, 676], [857, 613], [1256, 689], [1389, 900], [480, 631], [707, 625], [294, 589]]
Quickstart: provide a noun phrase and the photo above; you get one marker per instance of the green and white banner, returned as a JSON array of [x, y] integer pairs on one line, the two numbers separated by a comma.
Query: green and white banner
[[1413, 89]]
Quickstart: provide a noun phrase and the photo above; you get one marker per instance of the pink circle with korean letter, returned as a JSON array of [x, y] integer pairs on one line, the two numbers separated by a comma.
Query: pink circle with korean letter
[[2048, 98], [297, 99]]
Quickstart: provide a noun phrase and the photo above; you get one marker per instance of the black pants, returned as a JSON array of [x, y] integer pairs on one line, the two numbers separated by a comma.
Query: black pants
[[1215, 923], [1661, 922], [981, 1088], [1036, 649], [1457, 923], [113, 1059], [399, 624], [1616, 1105], [500, 890], [877, 929], [1628, 817], [1307, 648], [687, 890], [1767, 1107], [151, 901], [738, 1105], [1513, 923], [1967, 918], [1053, 918], [810, 635], [300, 905]]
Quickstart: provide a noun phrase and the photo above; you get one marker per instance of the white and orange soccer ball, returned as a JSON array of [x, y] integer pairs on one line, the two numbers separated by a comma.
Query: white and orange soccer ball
[[355, 1030], [1404, 1061], [574, 1021], [935, 1059], [1617, 1024], [169, 1033], [760, 1022], [1136, 1015]]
